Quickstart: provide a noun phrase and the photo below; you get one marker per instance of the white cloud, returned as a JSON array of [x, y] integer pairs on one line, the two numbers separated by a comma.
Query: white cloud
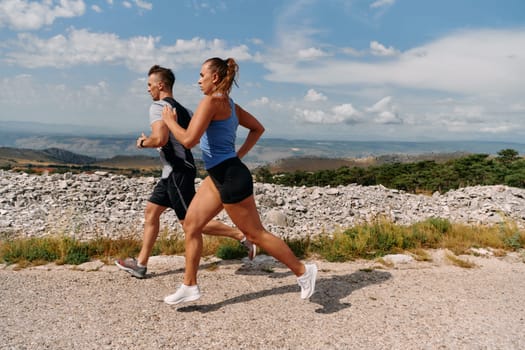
[[310, 54], [127, 4], [257, 41], [96, 8], [387, 117], [88, 104], [136, 53], [345, 113], [498, 129], [144, 4], [381, 105], [351, 51], [100, 89], [293, 34], [313, 96], [517, 107], [213, 7], [345, 109], [260, 101], [467, 62], [458, 124], [379, 49], [384, 112], [382, 3], [313, 116], [472, 113], [32, 15]]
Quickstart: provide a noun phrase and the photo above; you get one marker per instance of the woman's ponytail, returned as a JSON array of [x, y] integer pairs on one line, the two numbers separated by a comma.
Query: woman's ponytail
[[227, 71]]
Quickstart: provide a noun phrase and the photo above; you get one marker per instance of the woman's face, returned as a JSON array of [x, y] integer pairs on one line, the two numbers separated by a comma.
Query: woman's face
[[207, 80]]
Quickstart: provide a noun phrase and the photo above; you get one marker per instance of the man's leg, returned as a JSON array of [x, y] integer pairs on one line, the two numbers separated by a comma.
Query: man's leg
[[217, 228], [137, 267], [152, 215]]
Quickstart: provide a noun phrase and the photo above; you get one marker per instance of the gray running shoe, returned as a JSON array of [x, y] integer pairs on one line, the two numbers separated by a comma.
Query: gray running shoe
[[130, 266], [250, 247]]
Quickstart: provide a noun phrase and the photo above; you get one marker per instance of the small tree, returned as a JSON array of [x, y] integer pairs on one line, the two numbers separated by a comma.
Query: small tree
[[508, 155]]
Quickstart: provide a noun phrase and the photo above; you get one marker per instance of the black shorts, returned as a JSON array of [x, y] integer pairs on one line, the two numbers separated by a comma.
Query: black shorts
[[176, 191], [233, 180]]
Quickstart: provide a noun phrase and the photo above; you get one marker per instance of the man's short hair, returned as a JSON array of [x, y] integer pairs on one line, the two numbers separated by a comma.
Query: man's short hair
[[164, 74]]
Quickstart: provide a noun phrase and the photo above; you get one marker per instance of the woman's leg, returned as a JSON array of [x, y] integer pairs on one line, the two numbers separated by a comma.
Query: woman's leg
[[246, 217], [204, 206]]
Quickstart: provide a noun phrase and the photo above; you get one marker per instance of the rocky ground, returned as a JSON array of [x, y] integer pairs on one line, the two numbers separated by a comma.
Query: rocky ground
[[400, 304], [358, 305], [102, 204]]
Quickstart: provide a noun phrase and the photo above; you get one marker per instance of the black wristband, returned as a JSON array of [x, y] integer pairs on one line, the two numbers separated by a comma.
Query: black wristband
[[142, 143]]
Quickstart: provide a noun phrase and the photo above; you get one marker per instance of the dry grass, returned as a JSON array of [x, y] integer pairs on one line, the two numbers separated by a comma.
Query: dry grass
[[421, 255], [460, 262], [368, 241], [384, 262]]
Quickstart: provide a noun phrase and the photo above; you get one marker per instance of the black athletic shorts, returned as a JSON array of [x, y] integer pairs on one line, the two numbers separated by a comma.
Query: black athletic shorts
[[233, 180], [176, 191]]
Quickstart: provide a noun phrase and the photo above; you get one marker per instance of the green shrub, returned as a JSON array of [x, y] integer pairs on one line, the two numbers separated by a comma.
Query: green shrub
[[77, 254], [299, 247], [32, 249], [230, 249], [441, 225], [514, 241], [338, 248]]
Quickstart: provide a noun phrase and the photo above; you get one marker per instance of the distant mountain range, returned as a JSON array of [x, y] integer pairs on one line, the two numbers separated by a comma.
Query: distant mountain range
[[21, 158], [57, 142]]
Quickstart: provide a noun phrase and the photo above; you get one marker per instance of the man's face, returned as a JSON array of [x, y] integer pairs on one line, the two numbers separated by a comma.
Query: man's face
[[154, 87]]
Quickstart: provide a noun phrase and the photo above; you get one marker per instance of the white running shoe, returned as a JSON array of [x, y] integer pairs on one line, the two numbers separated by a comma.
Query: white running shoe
[[307, 281], [183, 294]]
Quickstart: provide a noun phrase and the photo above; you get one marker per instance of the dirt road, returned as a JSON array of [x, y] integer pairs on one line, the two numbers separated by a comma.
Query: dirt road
[[418, 305]]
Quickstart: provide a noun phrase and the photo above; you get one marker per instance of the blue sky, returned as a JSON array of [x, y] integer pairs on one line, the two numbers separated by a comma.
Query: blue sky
[[404, 70]]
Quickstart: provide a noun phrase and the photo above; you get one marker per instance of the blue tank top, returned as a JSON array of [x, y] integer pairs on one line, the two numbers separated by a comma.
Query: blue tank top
[[218, 141]]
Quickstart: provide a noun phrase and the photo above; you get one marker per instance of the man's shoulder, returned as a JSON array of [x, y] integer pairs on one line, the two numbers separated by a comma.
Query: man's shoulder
[[159, 103], [182, 111], [174, 103]]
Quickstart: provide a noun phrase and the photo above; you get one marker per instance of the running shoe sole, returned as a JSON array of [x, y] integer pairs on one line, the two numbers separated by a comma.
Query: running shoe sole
[[183, 300]]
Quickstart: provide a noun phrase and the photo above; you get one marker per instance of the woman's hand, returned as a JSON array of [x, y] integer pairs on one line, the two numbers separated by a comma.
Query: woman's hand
[[169, 115]]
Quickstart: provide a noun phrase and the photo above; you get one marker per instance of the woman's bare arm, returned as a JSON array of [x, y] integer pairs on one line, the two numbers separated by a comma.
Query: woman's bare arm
[[199, 123], [251, 123]]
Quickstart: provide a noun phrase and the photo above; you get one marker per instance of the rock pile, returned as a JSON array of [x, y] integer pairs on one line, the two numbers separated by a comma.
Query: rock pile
[[102, 204]]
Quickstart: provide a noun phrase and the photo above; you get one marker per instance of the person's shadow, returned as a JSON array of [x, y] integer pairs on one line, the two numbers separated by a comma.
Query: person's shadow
[[328, 292]]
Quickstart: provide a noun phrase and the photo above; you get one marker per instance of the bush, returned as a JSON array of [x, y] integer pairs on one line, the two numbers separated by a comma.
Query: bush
[[419, 177], [230, 249], [299, 247]]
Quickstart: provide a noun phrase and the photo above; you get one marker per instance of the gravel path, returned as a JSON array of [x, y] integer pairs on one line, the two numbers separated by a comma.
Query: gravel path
[[418, 305]]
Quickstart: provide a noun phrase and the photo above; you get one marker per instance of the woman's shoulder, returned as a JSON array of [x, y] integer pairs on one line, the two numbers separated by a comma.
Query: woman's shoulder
[[211, 99], [215, 106]]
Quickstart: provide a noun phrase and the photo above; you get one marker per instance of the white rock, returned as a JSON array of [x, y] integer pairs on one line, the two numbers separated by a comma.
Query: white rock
[[94, 205], [398, 258]]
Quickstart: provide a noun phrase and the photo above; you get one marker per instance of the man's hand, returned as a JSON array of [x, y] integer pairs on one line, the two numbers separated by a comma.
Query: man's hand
[[140, 141]]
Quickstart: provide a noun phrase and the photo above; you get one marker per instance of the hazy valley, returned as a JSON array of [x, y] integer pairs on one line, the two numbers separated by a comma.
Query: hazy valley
[[43, 144]]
